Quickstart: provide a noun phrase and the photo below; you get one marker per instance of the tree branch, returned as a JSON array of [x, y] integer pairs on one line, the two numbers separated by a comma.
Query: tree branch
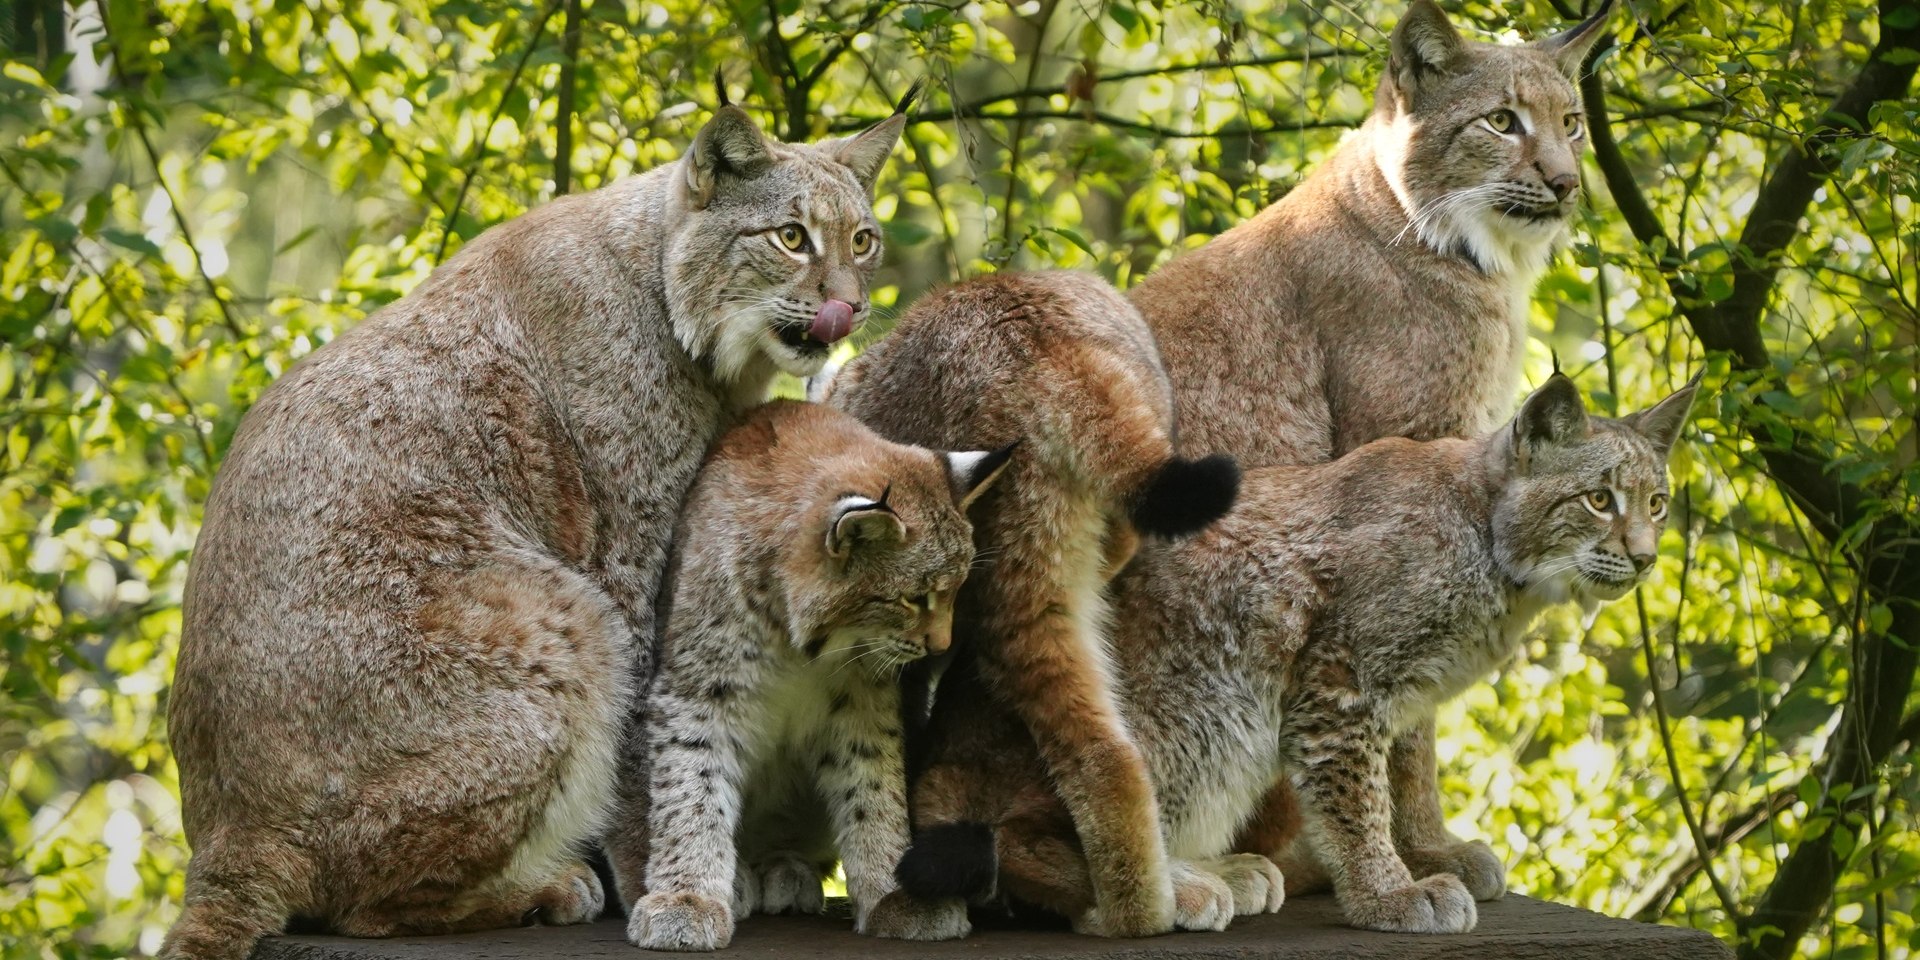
[[563, 102], [480, 147], [1884, 664]]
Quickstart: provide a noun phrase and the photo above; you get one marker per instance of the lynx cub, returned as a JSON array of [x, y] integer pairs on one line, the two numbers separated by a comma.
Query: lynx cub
[[420, 602], [1060, 363], [813, 560], [1337, 604]]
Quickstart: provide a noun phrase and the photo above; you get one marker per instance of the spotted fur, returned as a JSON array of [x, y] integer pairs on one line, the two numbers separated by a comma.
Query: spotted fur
[[813, 560], [1337, 605]]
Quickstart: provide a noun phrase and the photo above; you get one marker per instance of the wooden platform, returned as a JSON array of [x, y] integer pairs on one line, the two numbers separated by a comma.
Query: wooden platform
[[1309, 927]]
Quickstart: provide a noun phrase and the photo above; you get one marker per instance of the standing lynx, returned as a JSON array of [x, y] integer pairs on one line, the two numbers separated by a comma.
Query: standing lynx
[[420, 602], [1062, 365], [1386, 297], [1336, 605], [814, 559]]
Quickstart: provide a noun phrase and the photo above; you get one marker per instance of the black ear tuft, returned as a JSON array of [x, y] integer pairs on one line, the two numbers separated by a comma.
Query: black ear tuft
[[949, 860], [1184, 496], [906, 100], [720, 86]]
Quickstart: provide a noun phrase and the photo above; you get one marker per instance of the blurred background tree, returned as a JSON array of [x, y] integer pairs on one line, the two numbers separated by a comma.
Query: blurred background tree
[[193, 195]]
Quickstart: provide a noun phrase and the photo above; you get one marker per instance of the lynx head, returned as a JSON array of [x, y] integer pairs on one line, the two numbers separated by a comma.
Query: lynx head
[[1584, 498], [774, 244], [883, 545], [1482, 142]]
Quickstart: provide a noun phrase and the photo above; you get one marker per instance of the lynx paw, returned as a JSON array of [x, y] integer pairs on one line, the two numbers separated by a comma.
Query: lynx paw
[[1436, 904], [1201, 900], [1473, 862], [576, 897], [1255, 881], [1152, 909], [902, 916], [679, 921], [789, 884]]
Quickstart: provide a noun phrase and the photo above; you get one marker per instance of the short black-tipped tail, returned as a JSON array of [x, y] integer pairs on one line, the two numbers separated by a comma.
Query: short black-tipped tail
[[949, 860], [1184, 496]]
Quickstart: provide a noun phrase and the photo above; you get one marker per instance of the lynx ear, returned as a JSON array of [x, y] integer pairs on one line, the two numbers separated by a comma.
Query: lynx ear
[[859, 522], [866, 152], [1551, 415], [1570, 49], [728, 146], [971, 473], [1423, 43], [1661, 422]]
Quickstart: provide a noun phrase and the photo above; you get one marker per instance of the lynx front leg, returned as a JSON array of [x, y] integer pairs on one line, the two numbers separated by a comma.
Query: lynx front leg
[[1339, 749], [695, 810], [862, 775], [1419, 826]]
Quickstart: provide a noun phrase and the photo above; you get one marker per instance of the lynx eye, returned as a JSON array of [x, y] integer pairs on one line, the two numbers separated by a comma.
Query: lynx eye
[[1503, 121], [1658, 505], [792, 236], [1600, 501], [862, 243], [1572, 123]]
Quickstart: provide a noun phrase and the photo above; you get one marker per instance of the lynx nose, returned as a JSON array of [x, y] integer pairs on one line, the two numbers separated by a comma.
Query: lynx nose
[[1563, 185], [833, 321], [1641, 561]]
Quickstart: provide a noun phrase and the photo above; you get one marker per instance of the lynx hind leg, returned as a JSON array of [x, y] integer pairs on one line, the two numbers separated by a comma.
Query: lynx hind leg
[[233, 900], [1278, 832], [789, 883], [1419, 825]]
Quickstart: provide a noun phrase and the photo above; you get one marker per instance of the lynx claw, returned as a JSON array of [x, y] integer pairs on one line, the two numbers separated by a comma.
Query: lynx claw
[[1255, 881], [1472, 861], [680, 921], [1435, 904], [901, 916]]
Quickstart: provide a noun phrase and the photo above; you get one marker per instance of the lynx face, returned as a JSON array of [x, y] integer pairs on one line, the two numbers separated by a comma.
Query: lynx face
[[1586, 497], [776, 245], [880, 569], [1484, 141]]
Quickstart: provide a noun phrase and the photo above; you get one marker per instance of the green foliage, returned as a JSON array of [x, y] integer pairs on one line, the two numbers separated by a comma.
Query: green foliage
[[196, 194]]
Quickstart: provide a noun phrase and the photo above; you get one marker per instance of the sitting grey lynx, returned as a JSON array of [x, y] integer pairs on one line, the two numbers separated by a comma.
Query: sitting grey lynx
[[1336, 605], [423, 595], [814, 560]]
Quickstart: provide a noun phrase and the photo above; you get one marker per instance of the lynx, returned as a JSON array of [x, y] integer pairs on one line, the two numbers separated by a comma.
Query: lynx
[[1386, 297], [1060, 364], [1334, 607], [814, 559], [423, 595]]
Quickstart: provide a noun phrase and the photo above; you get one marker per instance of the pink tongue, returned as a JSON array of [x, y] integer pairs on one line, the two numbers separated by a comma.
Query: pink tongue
[[835, 320]]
